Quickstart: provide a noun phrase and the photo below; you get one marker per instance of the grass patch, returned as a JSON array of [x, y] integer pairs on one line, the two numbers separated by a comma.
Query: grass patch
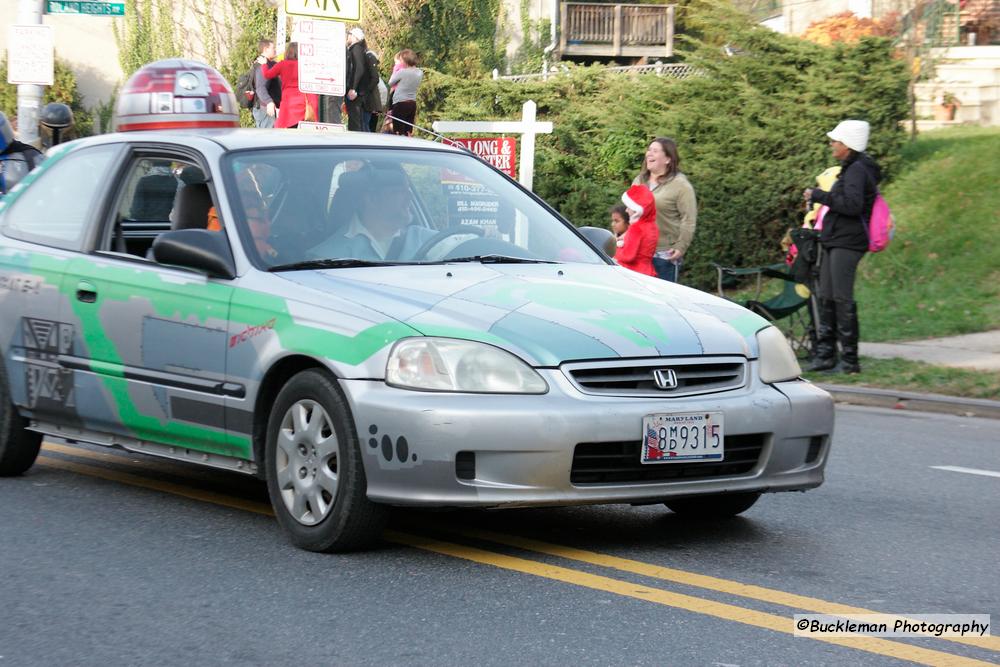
[[941, 274], [917, 376]]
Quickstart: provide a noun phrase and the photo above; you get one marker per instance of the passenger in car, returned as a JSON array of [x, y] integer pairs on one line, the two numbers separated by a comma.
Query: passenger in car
[[257, 217]]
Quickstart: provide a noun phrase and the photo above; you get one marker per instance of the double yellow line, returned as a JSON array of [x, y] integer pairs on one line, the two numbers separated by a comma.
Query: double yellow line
[[624, 588]]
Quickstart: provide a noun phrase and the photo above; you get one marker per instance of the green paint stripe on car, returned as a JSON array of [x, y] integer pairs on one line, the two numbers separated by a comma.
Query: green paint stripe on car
[[200, 302]]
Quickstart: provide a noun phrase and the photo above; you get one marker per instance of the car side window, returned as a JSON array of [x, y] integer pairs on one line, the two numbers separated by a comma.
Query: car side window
[[148, 202], [57, 207]]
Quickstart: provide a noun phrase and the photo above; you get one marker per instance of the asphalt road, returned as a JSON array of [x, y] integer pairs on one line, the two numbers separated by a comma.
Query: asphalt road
[[109, 558]]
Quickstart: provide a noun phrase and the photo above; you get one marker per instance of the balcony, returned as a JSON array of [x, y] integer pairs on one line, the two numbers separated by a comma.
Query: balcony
[[631, 31]]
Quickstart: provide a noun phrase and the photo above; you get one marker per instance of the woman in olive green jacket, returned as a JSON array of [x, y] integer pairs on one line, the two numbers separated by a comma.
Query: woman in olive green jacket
[[676, 205]]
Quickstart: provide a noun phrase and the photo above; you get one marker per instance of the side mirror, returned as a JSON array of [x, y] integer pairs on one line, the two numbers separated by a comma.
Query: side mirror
[[197, 249], [601, 238]]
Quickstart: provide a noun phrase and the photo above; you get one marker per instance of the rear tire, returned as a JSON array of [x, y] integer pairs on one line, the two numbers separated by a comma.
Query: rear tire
[[18, 446], [713, 507], [315, 476]]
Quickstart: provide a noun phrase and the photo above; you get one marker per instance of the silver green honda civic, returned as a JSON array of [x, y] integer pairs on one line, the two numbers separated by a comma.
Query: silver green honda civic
[[368, 321]]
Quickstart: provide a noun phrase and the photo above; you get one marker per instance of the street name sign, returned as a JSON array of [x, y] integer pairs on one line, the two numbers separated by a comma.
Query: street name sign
[[30, 55], [84, 7], [333, 10], [322, 56]]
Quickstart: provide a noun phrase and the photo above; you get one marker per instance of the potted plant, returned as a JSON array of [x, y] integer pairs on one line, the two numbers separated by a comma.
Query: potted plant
[[945, 109]]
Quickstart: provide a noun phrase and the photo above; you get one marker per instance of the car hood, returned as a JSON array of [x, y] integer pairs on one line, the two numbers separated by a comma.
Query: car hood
[[548, 313]]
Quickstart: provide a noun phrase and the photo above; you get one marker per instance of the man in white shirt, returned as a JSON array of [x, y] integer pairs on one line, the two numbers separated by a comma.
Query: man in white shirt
[[380, 226]]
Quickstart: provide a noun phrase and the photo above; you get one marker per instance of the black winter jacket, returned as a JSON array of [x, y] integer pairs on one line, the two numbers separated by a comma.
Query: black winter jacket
[[850, 201], [356, 71]]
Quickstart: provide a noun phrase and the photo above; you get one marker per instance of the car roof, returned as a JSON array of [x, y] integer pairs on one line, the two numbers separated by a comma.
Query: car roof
[[248, 138]]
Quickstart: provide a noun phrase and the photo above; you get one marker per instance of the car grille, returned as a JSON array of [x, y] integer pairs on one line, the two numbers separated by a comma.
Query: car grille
[[615, 462], [636, 378]]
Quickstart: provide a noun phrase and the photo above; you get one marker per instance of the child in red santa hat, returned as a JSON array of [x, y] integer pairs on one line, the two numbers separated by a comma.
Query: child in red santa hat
[[640, 240]]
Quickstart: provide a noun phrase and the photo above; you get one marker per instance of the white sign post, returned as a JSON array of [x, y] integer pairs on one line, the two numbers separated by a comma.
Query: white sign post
[[322, 56], [30, 56], [527, 127]]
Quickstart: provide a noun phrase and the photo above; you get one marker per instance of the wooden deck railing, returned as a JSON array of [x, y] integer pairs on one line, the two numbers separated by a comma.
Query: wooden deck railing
[[616, 29]]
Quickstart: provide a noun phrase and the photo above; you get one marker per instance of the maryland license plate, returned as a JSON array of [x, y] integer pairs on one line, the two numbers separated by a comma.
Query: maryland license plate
[[686, 436]]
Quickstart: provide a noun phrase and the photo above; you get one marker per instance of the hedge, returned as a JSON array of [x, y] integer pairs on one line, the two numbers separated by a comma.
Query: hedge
[[750, 128]]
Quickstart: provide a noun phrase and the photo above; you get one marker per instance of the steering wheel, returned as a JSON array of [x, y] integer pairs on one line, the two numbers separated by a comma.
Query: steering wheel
[[461, 230]]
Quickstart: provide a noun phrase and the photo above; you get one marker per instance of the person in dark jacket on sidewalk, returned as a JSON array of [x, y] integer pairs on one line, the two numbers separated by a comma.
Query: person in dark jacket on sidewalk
[[267, 93], [843, 242], [356, 83]]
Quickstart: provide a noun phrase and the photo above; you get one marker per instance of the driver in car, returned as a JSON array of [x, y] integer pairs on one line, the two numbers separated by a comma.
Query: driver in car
[[380, 227]]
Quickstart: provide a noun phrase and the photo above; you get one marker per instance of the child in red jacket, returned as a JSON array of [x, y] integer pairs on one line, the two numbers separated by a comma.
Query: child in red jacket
[[636, 252]]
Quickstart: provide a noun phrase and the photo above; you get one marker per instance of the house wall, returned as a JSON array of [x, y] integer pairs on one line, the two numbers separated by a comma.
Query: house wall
[[799, 14], [510, 29]]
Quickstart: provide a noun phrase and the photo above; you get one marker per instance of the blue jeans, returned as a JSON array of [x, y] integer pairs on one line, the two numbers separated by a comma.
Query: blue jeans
[[666, 269], [261, 118]]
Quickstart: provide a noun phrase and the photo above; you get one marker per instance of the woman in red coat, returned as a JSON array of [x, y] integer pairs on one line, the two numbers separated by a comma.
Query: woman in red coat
[[640, 240], [293, 101]]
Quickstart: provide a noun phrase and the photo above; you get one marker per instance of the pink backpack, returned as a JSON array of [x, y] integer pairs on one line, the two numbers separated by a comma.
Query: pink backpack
[[881, 227]]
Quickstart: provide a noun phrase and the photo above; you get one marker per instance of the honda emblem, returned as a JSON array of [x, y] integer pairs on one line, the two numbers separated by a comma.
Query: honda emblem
[[665, 378]]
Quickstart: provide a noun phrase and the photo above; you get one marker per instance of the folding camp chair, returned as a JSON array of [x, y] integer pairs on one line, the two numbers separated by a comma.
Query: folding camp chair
[[793, 309]]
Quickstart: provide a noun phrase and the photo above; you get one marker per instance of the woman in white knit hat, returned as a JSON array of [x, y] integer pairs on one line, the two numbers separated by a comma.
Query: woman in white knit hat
[[844, 241]]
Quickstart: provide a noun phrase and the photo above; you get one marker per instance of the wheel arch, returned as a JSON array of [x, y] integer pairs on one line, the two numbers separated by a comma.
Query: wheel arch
[[274, 379]]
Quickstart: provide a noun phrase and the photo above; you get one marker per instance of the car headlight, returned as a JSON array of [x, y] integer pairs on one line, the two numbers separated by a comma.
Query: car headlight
[[777, 360], [448, 364]]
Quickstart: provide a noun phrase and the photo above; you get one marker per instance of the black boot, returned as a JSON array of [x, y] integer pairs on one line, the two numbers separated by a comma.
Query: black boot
[[825, 352], [847, 333]]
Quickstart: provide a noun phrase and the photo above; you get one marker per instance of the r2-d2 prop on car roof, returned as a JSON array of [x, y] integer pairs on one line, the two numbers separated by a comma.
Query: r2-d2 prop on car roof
[[176, 94]]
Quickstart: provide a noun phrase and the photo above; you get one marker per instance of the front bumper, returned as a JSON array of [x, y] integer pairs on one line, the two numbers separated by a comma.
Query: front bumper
[[524, 445]]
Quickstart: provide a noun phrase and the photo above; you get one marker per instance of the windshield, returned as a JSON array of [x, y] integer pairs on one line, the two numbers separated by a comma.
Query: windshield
[[310, 207]]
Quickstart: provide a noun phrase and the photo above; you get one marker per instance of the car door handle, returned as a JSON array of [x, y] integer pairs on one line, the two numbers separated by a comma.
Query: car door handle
[[86, 292]]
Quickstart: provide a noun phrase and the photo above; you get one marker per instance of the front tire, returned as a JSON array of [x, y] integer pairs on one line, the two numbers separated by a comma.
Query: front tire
[[713, 507], [315, 476], [18, 446]]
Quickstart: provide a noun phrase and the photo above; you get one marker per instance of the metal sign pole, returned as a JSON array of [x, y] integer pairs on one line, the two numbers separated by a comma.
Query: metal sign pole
[[29, 96]]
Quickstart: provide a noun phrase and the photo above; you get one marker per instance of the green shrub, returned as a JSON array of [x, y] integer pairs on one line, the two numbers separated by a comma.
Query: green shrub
[[751, 129]]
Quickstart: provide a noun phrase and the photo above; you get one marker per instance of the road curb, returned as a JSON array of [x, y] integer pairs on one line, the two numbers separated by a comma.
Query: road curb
[[905, 400]]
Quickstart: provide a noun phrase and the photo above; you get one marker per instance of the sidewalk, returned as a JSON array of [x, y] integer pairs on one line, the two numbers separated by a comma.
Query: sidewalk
[[978, 351]]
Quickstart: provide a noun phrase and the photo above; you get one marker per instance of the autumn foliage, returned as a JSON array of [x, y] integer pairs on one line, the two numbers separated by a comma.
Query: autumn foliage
[[846, 27]]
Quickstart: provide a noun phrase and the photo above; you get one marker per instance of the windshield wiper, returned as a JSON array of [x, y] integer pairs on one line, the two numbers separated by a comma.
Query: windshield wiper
[[498, 259], [327, 264]]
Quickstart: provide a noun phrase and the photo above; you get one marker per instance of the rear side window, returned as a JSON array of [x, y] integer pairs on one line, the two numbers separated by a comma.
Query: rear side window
[[59, 204]]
